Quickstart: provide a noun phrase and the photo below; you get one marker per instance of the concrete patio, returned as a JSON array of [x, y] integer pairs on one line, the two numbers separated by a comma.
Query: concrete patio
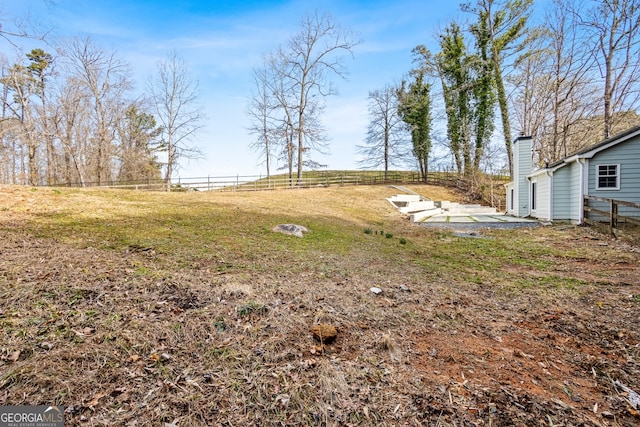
[[427, 212]]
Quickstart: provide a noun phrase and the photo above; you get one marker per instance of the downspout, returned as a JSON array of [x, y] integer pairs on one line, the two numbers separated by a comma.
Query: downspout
[[550, 175], [530, 196], [583, 177]]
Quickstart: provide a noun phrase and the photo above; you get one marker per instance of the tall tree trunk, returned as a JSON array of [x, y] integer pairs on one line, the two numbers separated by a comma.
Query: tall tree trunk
[[387, 136], [504, 110], [33, 165], [171, 158], [607, 98], [301, 129]]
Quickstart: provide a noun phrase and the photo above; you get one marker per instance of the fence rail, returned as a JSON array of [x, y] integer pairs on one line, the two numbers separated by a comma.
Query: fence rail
[[254, 182], [611, 213]]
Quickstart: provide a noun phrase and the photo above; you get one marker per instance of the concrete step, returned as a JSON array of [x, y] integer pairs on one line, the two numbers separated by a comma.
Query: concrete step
[[422, 205], [422, 215], [420, 209], [405, 198]]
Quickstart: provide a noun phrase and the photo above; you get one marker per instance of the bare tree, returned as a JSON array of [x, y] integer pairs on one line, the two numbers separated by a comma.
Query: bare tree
[[580, 50], [174, 96], [573, 96], [386, 143], [71, 119], [25, 115], [554, 90], [261, 110], [308, 59], [69, 126], [285, 102], [274, 110], [105, 79], [613, 28], [7, 151], [20, 123], [14, 145], [533, 92], [40, 70], [21, 27]]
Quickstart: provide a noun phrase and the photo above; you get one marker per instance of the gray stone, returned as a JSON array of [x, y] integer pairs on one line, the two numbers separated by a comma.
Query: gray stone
[[290, 229]]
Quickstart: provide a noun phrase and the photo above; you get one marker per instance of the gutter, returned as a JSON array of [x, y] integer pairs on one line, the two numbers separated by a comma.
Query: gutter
[[583, 177], [550, 175]]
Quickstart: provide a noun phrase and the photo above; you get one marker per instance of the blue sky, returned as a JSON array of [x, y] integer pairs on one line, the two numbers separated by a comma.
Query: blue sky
[[223, 40]]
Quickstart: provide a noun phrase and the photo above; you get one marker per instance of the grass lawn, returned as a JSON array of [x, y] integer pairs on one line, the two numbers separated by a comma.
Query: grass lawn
[[185, 309]]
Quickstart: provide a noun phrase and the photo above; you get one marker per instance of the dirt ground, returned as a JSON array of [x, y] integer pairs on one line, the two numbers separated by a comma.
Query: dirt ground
[[228, 342]]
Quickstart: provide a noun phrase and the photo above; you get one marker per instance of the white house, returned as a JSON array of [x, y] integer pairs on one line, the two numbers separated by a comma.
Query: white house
[[609, 169]]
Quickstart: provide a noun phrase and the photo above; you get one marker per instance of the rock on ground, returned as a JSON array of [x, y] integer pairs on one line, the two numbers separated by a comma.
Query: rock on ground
[[291, 229]]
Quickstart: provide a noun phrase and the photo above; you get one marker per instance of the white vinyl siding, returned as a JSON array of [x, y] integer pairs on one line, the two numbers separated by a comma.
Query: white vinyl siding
[[542, 197], [566, 193]]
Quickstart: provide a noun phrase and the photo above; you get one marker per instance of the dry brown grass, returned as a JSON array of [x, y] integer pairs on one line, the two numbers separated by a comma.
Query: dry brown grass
[[139, 309]]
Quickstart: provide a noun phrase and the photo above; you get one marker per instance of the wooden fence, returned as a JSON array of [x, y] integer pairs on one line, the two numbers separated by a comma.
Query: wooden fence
[[257, 182], [494, 196], [615, 215]]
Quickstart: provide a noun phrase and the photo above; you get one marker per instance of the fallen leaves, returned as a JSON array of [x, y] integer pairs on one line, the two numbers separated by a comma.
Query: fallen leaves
[[162, 357], [84, 332], [94, 402]]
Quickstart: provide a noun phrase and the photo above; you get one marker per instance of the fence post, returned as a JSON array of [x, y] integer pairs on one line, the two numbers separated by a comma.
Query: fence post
[[613, 216]]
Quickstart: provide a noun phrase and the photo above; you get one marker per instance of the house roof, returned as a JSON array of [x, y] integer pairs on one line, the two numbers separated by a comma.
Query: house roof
[[590, 151]]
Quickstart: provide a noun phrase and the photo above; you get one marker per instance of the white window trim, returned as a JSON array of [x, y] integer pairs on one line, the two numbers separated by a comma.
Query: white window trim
[[617, 187]]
